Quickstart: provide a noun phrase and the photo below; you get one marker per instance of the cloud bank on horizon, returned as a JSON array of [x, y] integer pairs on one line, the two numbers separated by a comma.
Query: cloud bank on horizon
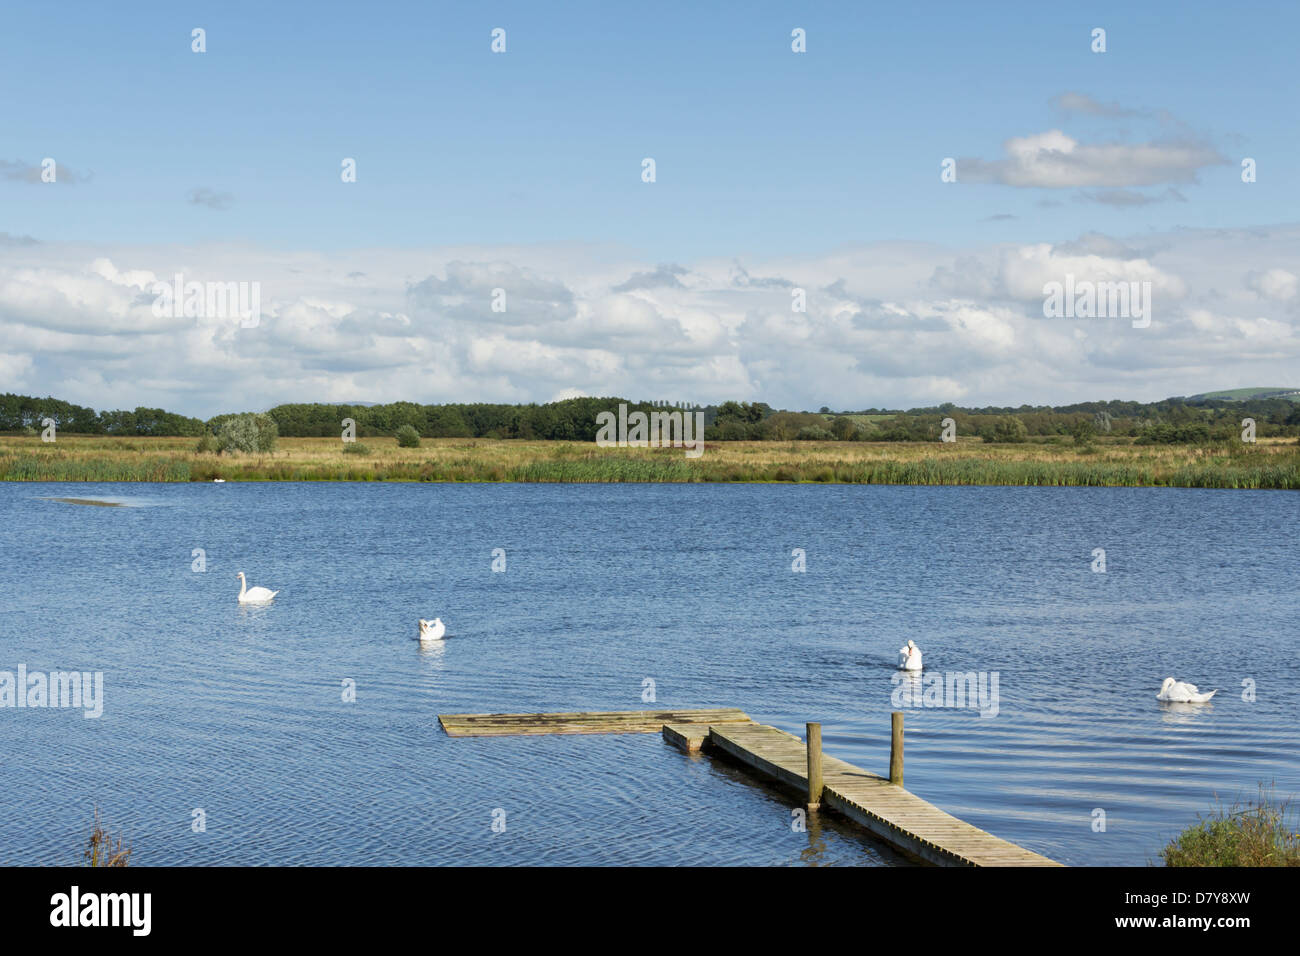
[[885, 324], [834, 220]]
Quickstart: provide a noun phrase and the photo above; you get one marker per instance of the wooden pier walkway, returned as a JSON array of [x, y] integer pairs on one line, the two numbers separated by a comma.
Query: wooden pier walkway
[[891, 813], [896, 816]]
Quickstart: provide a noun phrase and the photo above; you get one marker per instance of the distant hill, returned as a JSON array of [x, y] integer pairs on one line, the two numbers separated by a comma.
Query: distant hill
[[1242, 394]]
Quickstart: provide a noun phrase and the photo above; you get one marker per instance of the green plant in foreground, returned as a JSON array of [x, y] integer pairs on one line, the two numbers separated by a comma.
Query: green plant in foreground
[[1262, 832], [102, 850]]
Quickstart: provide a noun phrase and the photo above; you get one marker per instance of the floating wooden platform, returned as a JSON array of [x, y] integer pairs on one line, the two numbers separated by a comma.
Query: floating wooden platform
[[896, 816], [598, 722]]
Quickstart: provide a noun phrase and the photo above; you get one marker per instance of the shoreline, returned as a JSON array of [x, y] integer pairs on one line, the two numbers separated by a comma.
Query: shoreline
[[1268, 465]]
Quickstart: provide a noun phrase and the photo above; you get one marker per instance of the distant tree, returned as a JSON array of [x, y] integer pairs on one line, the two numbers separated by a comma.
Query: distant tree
[[1083, 431], [1005, 428], [408, 437], [813, 433], [742, 412], [844, 429], [247, 433]]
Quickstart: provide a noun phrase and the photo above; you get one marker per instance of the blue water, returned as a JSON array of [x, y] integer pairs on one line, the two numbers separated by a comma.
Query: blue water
[[239, 712]]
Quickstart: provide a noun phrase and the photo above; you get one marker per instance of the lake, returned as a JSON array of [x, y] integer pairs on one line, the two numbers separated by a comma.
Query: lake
[[235, 716]]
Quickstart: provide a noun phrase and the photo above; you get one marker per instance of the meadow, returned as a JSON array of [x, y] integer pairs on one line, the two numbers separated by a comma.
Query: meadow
[[1107, 462]]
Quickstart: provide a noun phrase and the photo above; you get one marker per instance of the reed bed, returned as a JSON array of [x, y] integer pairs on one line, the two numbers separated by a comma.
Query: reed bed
[[1264, 831], [1267, 465]]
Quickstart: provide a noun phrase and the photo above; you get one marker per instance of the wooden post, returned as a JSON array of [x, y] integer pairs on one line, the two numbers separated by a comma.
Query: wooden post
[[814, 766], [896, 748]]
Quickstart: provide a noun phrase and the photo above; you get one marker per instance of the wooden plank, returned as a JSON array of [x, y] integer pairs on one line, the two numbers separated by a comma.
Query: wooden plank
[[592, 722], [688, 738], [891, 813]]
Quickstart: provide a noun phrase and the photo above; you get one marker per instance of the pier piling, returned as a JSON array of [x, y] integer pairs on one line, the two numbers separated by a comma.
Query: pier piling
[[896, 748], [814, 766]]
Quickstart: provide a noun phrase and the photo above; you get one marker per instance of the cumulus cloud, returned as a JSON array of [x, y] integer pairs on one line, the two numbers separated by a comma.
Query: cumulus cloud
[[1026, 269], [887, 323], [14, 368], [663, 277], [496, 292], [1055, 160], [741, 279], [1277, 284]]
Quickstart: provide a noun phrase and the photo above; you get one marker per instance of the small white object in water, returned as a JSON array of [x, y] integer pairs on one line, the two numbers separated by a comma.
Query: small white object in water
[[432, 630], [909, 657], [249, 595], [218, 481], [1182, 692]]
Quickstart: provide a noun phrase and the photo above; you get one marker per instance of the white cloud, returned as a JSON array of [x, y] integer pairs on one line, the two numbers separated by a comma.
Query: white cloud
[[1276, 284], [887, 324], [1055, 160], [1026, 269], [14, 369]]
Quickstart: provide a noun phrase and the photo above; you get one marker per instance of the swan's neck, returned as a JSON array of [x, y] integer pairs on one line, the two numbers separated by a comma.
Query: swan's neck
[[243, 586]]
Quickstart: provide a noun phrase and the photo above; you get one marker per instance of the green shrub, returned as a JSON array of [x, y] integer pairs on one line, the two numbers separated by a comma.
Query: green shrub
[[207, 445], [1262, 833], [247, 433], [408, 437], [1162, 434], [355, 448], [1083, 431], [845, 429], [733, 431], [813, 433], [1006, 428]]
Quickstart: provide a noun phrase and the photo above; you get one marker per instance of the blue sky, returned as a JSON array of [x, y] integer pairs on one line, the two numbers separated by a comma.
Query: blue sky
[[759, 150], [522, 171]]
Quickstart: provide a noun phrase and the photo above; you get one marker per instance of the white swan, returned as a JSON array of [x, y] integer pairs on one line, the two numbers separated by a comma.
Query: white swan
[[249, 595], [432, 630], [909, 657], [1179, 691]]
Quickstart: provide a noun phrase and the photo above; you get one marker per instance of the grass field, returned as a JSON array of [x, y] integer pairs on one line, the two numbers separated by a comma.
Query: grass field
[[98, 458], [1241, 394]]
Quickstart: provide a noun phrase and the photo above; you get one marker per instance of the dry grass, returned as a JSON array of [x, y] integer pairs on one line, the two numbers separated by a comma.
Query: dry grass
[[103, 850], [1274, 464], [1259, 832]]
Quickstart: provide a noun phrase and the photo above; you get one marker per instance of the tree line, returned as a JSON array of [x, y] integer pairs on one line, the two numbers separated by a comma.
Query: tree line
[[1173, 420], [23, 413]]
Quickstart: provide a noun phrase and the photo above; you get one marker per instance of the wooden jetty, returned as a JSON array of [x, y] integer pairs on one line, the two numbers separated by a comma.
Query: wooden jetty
[[894, 815], [880, 804]]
